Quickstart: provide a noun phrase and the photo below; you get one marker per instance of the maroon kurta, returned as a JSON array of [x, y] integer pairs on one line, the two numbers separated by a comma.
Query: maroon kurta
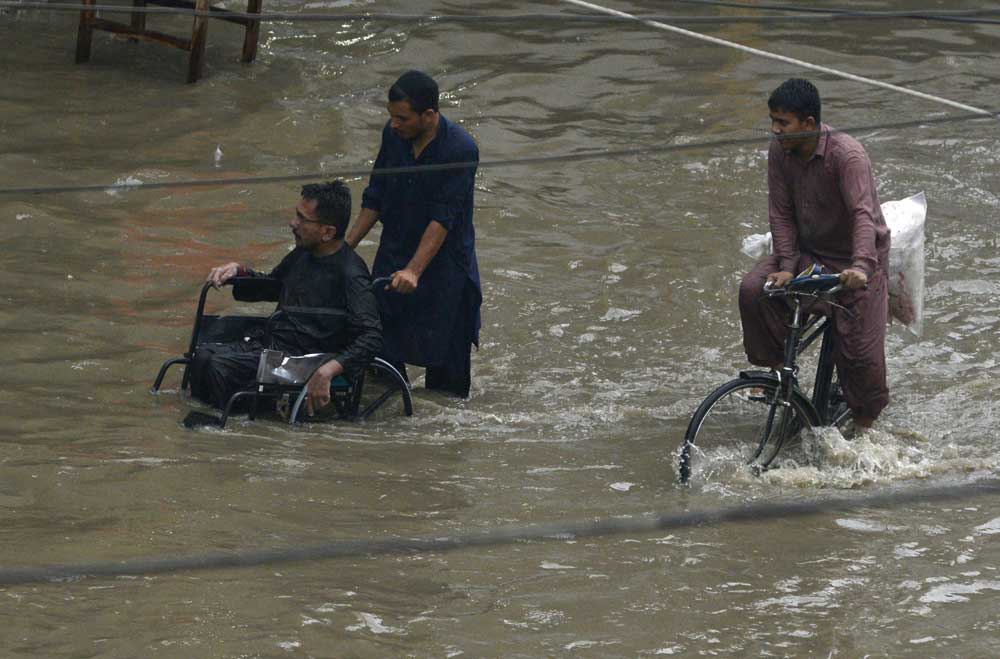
[[826, 210]]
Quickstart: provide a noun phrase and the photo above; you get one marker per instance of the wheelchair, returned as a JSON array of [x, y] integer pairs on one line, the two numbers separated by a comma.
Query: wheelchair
[[281, 379]]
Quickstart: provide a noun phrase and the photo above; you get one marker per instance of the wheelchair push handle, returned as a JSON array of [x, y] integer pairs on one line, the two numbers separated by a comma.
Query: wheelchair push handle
[[382, 284]]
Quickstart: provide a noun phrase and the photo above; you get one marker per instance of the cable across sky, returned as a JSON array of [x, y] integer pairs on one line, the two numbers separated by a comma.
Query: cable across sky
[[361, 171], [782, 58], [802, 15]]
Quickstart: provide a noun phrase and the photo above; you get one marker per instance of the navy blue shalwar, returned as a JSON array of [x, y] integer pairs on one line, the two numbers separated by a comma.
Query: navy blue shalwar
[[436, 325]]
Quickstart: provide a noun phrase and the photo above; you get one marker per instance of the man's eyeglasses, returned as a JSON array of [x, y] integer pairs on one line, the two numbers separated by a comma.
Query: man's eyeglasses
[[303, 218]]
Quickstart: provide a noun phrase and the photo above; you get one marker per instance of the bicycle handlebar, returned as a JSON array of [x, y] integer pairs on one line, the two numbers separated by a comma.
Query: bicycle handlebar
[[812, 283]]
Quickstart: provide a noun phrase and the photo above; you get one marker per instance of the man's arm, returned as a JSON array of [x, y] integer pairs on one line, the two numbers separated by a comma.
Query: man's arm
[[362, 225], [318, 386], [223, 273], [857, 191], [407, 279], [450, 203], [781, 217]]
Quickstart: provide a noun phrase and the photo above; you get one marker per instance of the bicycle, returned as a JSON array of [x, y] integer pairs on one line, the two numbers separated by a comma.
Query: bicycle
[[761, 411]]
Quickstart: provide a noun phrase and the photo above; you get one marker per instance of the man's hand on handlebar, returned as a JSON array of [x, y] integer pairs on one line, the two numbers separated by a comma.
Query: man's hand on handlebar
[[223, 273], [778, 279], [854, 278]]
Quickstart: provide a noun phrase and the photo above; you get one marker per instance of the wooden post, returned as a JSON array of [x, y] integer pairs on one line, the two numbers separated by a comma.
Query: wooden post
[[252, 34], [138, 19], [199, 38], [85, 33]]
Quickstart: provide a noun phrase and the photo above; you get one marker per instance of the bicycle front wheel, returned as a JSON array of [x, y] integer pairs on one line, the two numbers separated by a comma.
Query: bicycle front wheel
[[741, 423]]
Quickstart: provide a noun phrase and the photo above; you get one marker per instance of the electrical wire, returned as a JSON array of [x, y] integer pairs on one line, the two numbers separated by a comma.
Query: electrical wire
[[806, 15], [755, 512], [483, 164]]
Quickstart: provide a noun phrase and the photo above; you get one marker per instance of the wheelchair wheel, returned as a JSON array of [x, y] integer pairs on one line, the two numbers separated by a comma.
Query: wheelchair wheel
[[739, 424], [381, 391], [378, 391]]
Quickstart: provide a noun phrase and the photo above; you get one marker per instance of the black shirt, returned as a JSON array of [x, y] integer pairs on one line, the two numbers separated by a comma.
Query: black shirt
[[326, 306]]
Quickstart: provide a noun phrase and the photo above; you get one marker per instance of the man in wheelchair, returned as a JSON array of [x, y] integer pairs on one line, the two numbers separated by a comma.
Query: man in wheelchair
[[326, 305]]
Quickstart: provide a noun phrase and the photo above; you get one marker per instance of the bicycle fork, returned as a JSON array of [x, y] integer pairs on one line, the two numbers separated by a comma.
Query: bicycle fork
[[780, 407], [779, 404]]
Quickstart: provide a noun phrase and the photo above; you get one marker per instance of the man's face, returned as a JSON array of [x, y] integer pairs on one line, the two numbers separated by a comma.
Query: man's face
[[306, 227], [788, 123], [406, 123]]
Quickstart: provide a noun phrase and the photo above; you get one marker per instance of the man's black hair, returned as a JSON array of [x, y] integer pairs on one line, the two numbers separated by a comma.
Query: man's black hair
[[333, 203], [418, 88], [798, 96]]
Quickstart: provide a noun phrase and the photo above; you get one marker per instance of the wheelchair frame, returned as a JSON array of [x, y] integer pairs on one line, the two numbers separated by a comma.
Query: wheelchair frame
[[345, 394]]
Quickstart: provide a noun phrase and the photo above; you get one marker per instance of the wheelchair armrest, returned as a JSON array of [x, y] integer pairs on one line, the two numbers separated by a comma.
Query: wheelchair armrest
[[275, 367]]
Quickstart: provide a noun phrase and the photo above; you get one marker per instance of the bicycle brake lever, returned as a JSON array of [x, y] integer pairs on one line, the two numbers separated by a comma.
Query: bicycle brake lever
[[840, 306]]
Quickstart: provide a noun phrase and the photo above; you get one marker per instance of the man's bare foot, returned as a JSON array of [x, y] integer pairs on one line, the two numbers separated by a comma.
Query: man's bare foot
[[864, 422]]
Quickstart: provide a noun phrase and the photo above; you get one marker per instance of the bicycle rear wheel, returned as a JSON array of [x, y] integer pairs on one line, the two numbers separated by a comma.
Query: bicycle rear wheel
[[739, 424], [838, 411]]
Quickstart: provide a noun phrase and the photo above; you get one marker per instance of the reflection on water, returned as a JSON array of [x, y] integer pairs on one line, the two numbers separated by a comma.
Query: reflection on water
[[609, 313]]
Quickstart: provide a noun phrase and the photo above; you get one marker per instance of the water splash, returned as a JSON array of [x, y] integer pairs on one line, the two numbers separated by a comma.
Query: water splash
[[826, 458]]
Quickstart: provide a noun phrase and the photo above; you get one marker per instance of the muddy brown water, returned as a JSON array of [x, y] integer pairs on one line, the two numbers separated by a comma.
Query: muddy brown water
[[609, 312]]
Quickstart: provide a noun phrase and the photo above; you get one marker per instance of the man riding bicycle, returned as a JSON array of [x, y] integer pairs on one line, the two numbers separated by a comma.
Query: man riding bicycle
[[823, 208]]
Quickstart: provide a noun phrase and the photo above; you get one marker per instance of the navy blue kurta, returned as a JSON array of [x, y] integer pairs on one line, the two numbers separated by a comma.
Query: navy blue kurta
[[418, 328]]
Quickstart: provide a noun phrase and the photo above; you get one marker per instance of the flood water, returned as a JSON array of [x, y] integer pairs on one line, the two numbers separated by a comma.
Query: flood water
[[609, 312]]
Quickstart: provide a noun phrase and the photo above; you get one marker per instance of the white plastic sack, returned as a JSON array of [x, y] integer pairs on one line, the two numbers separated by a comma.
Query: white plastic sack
[[756, 245], [905, 219]]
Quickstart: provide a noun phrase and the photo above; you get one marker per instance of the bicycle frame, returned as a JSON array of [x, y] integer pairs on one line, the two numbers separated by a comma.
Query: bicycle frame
[[786, 408], [803, 334]]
